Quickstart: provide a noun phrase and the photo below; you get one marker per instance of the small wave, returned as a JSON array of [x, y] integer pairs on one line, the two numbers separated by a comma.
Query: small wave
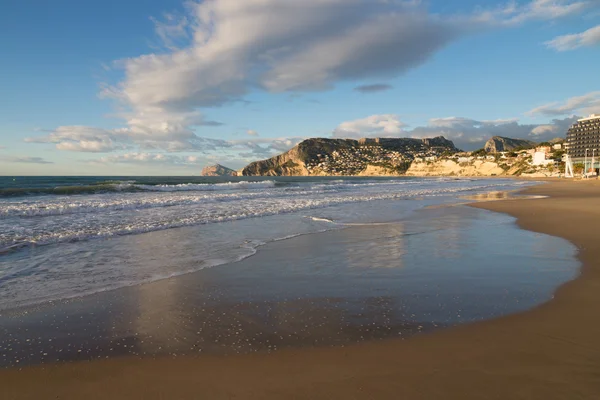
[[67, 190], [207, 186], [132, 186], [320, 219]]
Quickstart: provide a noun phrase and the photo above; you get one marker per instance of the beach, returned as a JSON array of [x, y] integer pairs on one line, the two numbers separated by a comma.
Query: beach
[[548, 352]]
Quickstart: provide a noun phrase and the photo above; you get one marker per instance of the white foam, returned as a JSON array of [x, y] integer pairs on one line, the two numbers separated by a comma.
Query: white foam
[[322, 219], [269, 213], [115, 214], [207, 187]]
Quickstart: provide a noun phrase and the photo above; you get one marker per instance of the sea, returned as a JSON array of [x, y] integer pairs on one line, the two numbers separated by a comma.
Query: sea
[[63, 237], [306, 259]]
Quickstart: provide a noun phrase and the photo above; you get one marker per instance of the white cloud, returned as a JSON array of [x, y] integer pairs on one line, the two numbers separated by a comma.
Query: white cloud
[[383, 125], [591, 37], [586, 104], [144, 132], [276, 45], [546, 129], [252, 132], [513, 13], [151, 158], [264, 147], [549, 9], [460, 122], [79, 138]]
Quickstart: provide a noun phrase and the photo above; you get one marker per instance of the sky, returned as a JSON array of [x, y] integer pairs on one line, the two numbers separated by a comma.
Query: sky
[[167, 87]]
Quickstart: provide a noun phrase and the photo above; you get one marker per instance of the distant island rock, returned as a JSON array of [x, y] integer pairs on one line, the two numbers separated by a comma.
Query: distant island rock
[[498, 144], [217, 170], [348, 157]]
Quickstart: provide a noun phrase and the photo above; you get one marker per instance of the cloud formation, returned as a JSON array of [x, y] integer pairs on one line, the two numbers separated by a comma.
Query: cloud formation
[[383, 125], [470, 134], [591, 37], [514, 13], [466, 133], [151, 158], [217, 51], [252, 132], [587, 104], [377, 87], [79, 138]]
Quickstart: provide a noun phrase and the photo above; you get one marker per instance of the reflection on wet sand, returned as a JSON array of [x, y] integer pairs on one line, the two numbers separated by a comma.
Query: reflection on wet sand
[[434, 269]]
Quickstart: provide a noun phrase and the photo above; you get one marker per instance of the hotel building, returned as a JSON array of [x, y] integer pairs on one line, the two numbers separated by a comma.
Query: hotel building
[[584, 134]]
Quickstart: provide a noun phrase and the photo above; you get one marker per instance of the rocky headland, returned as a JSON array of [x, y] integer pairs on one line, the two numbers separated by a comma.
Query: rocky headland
[[344, 157], [498, 144]]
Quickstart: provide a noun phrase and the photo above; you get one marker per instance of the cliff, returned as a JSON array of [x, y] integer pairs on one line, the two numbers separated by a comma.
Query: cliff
[[217, 170], [379, 156], [446, 167], [499, 144]]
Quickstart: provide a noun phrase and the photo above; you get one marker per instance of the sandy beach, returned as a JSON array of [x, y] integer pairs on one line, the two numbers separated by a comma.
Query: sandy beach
[[550, 352]]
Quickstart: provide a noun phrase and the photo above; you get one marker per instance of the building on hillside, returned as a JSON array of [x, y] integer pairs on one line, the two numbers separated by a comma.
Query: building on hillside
[[543, 149], [539, 158], [584, 135]]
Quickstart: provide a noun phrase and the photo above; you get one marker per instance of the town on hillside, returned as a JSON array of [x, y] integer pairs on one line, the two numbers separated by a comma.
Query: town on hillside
[[578, 155]]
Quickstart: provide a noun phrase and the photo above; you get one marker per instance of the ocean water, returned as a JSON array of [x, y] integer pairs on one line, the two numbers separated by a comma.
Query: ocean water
[[255, 264], [63, 237]]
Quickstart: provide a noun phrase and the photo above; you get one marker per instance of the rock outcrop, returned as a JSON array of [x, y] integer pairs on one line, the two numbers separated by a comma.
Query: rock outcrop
[[499, 144], [374, 170], [453, 168], [217, 170], [344, 157]]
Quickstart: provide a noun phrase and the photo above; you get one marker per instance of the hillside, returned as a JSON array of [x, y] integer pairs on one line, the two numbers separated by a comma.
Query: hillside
[[499, 144], [380, 156]]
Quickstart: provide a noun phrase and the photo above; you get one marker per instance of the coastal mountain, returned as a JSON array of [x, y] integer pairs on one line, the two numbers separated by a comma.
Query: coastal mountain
[[498, 144], [343, 157], [217, 170]]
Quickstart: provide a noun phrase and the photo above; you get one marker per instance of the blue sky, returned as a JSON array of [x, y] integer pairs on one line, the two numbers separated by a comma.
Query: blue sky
[[166, 87]]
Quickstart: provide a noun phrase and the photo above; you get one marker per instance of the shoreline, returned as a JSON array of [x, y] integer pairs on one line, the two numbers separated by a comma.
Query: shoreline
[[550, 351]]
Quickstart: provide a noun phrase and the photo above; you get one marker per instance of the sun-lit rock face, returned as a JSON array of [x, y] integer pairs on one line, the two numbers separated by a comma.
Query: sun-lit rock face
[[454, 168], [498, 144], [217, 170]]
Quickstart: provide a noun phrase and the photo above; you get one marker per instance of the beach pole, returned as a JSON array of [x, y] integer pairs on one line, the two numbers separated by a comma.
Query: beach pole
[[585, 164], [592, 165]]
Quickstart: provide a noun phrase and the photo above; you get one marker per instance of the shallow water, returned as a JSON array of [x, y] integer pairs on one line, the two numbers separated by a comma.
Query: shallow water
[[98, 234], [428, 269]]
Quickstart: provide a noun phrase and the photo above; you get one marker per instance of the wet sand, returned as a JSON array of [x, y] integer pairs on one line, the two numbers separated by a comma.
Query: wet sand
[[550, 352]]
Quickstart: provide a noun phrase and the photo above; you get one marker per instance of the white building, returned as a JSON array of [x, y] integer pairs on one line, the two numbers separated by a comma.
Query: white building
[[539, 158]]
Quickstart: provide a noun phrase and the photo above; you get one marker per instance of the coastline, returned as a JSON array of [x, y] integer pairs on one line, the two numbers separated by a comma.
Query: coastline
[[549, 352]]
